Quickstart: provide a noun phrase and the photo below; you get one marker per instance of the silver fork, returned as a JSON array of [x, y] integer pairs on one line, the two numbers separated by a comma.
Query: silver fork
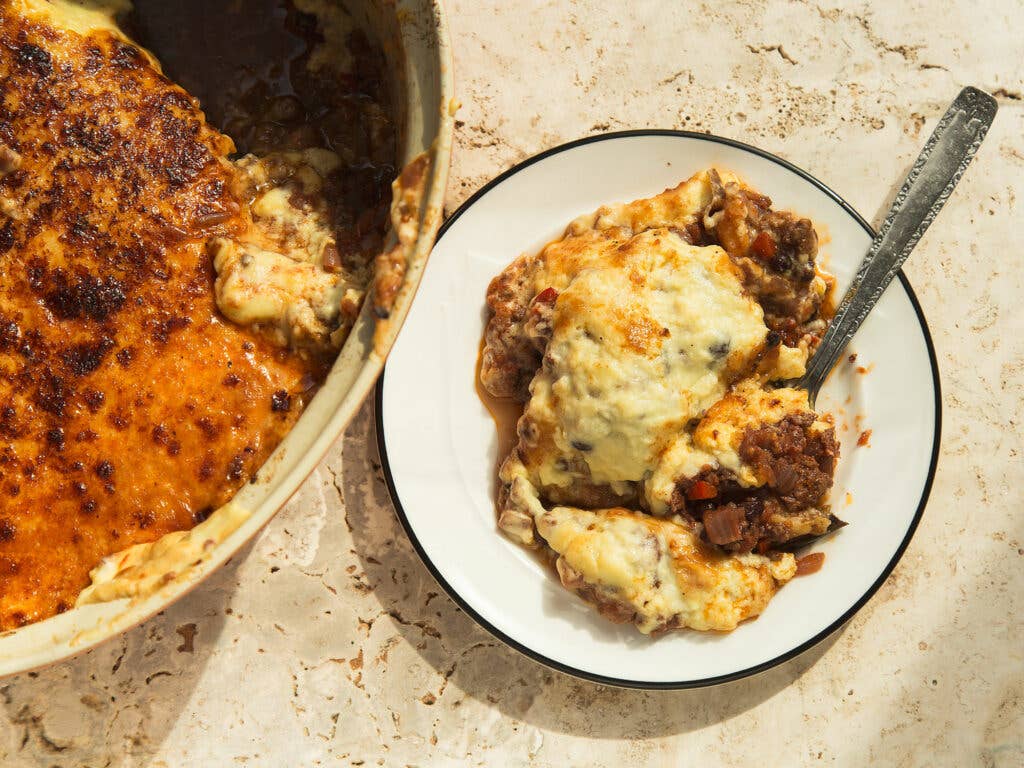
[[935, 173]]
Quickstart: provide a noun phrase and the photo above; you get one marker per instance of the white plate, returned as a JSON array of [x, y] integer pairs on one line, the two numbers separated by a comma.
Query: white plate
[[438, 442]]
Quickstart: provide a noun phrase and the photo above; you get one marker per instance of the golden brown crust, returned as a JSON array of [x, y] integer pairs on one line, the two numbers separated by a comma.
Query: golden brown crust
[[128, 407]]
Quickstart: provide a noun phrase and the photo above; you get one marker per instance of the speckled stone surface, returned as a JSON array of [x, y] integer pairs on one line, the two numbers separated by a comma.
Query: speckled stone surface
[[326, 642]]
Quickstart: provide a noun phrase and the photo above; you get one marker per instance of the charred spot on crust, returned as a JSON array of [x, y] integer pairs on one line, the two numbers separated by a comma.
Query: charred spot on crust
[[186, 160], [85, 297], [93, 399], [235, 467], [82, 231], [126, 56], [82, 359], [89, 134], [6, 236], [208, 427], [202, 514], [32, 58], [163, 330], [280, 402], [94, 60], [55, 437], [52, 394], [10, 334], [118, 420], [206, 469]]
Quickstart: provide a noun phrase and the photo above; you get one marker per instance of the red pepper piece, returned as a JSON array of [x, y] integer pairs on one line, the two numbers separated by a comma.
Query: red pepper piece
[[701, 490], [547, 296], [764, 246]]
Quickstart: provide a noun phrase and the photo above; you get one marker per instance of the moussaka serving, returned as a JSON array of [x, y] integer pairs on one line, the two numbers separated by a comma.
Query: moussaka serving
[[168, 305], [658, 464]]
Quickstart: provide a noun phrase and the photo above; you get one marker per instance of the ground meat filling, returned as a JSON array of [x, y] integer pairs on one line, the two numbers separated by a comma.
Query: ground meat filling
[[797, 464], [776, 251], [510, 357], [797, 461]]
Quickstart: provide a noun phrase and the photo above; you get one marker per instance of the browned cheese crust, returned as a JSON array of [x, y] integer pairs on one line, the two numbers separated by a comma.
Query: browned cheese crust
[[128, 407]]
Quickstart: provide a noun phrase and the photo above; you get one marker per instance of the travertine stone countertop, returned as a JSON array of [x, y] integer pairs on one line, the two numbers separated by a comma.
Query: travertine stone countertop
[[327, 642]]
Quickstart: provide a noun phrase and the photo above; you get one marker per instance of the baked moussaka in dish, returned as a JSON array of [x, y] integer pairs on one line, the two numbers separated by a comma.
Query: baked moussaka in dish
[[657, 462], [169, 301]]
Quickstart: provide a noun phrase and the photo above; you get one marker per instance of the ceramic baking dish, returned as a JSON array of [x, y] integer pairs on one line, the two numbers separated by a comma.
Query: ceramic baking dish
[[415, 40]]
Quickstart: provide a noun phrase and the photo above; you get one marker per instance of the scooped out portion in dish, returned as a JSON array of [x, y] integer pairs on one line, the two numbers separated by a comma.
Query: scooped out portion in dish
[[168, 304], [657, 464]]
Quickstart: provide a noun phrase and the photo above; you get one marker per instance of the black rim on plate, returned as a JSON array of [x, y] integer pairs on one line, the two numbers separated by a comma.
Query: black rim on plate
[[791, 654]]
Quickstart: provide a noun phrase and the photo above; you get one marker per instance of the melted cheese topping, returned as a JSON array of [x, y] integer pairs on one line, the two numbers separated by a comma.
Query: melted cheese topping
[[674, 207], [142, 569], [647, 333], [80, 17], [283, 275], [654, 367], [335, 24], [588, 238], [642, 342], [158, 410], [273, 278], [656, 573]]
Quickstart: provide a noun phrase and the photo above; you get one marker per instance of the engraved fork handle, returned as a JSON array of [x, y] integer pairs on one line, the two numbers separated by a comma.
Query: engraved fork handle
[[935, 173]]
